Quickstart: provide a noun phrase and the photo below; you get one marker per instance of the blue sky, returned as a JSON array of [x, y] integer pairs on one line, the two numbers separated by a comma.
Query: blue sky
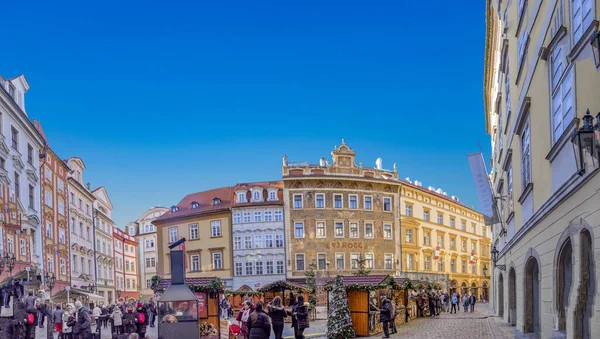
[[165, 99]]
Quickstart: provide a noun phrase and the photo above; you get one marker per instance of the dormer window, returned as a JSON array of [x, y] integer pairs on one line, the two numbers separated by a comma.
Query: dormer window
[[272, 195], [195, 205], [241, 197], [256, 196], [216, 202], [174, 209]]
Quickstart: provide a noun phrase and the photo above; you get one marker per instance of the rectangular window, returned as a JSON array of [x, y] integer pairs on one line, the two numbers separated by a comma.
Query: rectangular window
[[268, 241], [61, 207], [193, 231], [257, 216], [440, 219], [172, 234], [297, 200], [279, 240], [61, 236], [453, 243], [23, 247], [369, 262], [279, 266], [237, 218], [526, 156], [339, 261], [48, 229], [368, 230], [31, 197], [14, 138], [337, 201], [452, 222], [237, 243], [440, 240], [353, 202], [195, 259], [249, 268], [441, 265], [387, 204], [464, 266], [248, 242], [582, 15], [29, 154], [216, 228], [562, 93], [278, 215], [246, 216], [368, 203], [463, 225], [339, 229], [353, 230], [426, 215], [387, 231], [258, 241], [474, 268], [63, 266], [217, 261], [427, 238], [409, 236], [410, 261], [354, 258], [321, 232], [463, 245], [473, 228], [388, 261], [268, 216], [259, 268], [453, 265], [321, 261], [50, 265], [409, 210], [61, 185], [269, 267], [427, 263], [299, 262], [299, 230], [320, 200], [474, 248], [49, 199], [48, 174]]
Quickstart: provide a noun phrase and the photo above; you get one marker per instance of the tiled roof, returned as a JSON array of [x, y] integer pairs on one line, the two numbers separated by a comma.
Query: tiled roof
[[363, 280], [265, 185], [164, 283], [205, 204], [441, 196]]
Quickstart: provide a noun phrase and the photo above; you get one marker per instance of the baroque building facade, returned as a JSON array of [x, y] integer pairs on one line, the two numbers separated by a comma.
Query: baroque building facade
[[20, 185], [541, 75], [258, 234], [144, 231], [204, 219], [103, 233], [338, 214], [126, 265]]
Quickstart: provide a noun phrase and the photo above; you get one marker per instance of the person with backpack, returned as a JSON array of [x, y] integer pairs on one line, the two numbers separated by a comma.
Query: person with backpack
[[472, 301], [465, 302], [83, 324], [142, 318], [454, 303], [385, 315]]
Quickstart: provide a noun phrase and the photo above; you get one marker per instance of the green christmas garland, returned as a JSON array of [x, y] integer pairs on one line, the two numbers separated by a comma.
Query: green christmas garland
[[215, 286], [282, 284], [155, 283], [244, 293]]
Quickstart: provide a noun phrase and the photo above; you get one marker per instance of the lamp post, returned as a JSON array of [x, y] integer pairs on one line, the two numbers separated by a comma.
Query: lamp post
[[495, 259], [586, 141], [10, 262], [50, 281]]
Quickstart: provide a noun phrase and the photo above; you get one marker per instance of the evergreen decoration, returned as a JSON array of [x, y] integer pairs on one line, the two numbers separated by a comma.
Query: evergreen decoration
[[215, 286], [388, 282], [339, 320], [283, 285], [243, 293], [311, 282], [155, 282], [362, 269], [407, 285]]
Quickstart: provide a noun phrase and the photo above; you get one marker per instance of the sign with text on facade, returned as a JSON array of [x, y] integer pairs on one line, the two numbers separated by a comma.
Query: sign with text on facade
[[344, 244]]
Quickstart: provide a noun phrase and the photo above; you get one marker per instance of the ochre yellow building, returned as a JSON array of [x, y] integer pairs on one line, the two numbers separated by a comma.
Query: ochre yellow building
[[441, 235], [204, 219]]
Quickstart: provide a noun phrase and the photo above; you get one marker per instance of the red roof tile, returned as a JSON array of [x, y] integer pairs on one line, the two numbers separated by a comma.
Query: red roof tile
[[205, 204], [263, 184]]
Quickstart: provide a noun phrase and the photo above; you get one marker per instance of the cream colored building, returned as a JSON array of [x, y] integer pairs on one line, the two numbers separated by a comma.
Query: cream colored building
[[441, 235], [105, 256], [540, 78]]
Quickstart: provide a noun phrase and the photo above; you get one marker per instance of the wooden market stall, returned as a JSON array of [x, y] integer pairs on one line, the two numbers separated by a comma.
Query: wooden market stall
[[364, 300], [288, 292], [237, 297]]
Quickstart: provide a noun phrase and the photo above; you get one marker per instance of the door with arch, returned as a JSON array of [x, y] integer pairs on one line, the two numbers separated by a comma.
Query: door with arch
[[512, 297], [532, 296], [500, 295], [563, 283], [485, 291]]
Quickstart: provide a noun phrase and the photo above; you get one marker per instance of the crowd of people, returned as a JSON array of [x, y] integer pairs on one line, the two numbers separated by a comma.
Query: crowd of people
[[436, 302], [257, 321]]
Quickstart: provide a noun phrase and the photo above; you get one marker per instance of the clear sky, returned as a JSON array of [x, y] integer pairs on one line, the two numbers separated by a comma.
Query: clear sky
[[161, 99]]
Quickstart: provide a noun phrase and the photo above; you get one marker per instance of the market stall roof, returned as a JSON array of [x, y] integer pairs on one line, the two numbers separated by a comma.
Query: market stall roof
[[283, 284], [74, 292], [177, 293], [365, 282], [164, 283]]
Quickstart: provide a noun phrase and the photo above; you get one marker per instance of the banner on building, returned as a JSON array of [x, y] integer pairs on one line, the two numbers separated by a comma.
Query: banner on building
[[484, 189]]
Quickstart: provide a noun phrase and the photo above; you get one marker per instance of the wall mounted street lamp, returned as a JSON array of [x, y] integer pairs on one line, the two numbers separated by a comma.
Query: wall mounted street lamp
[[586, 141], [495, 259], [596, 48], [10, 262], [50, 281]]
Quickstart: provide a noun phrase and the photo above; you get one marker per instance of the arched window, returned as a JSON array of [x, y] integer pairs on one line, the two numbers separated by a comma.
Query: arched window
[[256, 196], [194, 205], [174, 209]]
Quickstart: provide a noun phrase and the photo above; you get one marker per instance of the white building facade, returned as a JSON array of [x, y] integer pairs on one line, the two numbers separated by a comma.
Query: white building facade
[[105, 283], [258, 235]]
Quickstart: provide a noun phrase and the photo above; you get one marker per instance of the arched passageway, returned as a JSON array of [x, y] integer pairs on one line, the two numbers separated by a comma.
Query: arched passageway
[[532, 296]]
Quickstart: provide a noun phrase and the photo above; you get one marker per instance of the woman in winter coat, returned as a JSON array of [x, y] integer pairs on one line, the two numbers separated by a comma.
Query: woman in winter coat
[[243, 318], [465, 301], [129, 320], [300, 317], [117, 318], [259, 323], [141, 327], [67, 330], [277, 313], [385, 315]]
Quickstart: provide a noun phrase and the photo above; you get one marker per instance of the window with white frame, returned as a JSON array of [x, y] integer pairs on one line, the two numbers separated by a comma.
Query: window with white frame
[[507, 91], [409, 235], [427, 263], [11, 245], [249, 267], [354, 258], [526, 155], [269, 267], [463, 266], [48, 229], [452, 222], [268, 216], [337, 201], [237, 218], [23, 247], [193, 231], [258, 241], [299, 262], [522, 45], [387, 231], [247, 216], [256, 196], [426, 215], [63, 266], [238, 269], [440, 240], [61, 185], [61, 207], [582, 15], [339, 229], [268, 241], [49, 199], [368, 230], [353, 230], [321, 261], [195, 259], [368, 203], [369, 261], [248, 242], [279, 266], [388, 261], [561, 83], [241, 197], [278, 215], [440, 218], [441, 265], [321, 230], [50, 264], [319, 200], [257, 216], [427, 238], [339, 261], [410, 261], [353, 202], [387, 204], [216, 228], [463, 245], [299, 230], [463, 225], [61, 236], [279, 240], [408, 210], [217, 258], [237, 243], [173, 234], [297, 200], [259, 268], [272, 195], [453, 265]]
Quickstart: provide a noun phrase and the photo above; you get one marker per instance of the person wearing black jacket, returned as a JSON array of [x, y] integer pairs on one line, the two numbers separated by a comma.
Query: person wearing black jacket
[[385, 315], [259, 323], [277, 313], [299, 317]]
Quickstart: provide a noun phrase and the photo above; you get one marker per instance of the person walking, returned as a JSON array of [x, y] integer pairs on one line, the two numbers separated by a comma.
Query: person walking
[[67, 329], [431, 304], [129, 320], [454, 303], [96, 313], [393, 315], [117, 319], [277, 313], [472, 301], [243, 317], [465, 302], [151, 312], [385, 317], [57, 320], [83, 324], [259, 323], [446, 302], [300, 317], [142, 317]]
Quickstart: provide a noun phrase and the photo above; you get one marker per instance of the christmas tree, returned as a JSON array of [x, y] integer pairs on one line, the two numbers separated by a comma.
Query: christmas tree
[[339, 322]]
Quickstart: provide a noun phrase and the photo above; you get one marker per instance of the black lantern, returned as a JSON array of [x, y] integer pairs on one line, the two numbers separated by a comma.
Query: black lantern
[[484, 269], [50, 281], [495, 259], [583, 142], [596, 48]]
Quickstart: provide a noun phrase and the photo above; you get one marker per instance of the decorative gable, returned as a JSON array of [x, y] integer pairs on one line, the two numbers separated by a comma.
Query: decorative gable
[[32, 176], [4, 150], [19, 165]]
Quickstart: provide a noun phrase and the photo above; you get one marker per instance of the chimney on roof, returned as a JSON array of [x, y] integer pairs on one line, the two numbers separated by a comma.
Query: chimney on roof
[[379, 163], [322, 162]]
